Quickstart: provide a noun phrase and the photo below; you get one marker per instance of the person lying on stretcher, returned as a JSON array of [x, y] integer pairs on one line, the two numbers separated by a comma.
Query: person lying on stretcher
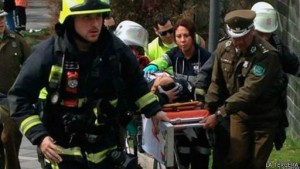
[[192, 145], [170, 89]]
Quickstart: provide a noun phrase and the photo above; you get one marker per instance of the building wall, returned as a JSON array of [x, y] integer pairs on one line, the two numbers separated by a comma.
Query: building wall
[[289, 13]]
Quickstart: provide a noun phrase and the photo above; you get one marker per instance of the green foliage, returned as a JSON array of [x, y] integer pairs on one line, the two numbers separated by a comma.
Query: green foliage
[[290, 153], [145, 12], [35, 36]]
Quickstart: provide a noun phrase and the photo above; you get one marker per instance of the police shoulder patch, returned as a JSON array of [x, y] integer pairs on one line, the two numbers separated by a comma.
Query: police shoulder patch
[[258, 70]]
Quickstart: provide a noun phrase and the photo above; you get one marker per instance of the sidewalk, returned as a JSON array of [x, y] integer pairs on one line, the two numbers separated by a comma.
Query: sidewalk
[[28, 156], [37, 18]]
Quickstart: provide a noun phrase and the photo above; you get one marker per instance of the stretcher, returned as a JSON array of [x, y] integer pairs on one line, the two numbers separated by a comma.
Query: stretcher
[[182, 116]]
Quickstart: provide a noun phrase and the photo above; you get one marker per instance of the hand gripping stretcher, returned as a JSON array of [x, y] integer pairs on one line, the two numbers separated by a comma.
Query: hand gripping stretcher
[[182, 116]]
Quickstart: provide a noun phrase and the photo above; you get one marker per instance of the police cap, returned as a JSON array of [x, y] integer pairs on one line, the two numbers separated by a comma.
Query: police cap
[[2, 12], [239, 22]]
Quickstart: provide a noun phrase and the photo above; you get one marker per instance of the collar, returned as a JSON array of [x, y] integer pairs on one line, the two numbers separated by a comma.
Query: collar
[[162, 44]]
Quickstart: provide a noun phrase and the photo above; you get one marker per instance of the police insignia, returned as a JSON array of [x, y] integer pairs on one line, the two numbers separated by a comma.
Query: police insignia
[[253, 49], [196, 68], [259, 70], [228, 43], [245, 64]]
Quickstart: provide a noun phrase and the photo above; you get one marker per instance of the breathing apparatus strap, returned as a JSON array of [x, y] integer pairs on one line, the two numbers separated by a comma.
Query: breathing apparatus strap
[[55, 78]]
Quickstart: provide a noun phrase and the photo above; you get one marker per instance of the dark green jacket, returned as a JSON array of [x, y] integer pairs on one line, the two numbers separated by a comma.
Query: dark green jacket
[[13, 52], [250, 83]]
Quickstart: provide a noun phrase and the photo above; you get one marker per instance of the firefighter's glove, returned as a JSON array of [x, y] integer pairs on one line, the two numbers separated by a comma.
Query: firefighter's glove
[[78, 123], [151, 69], [172, 93]]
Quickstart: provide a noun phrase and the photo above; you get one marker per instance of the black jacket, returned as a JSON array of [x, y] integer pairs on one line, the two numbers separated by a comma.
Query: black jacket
[[289, 60], [9, 5], [97, 74]]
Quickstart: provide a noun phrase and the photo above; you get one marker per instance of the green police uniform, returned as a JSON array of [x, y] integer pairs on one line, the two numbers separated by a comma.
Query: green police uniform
[[13, 52], [246, 87]]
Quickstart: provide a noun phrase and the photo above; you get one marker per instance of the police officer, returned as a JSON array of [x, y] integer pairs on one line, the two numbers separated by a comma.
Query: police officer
[[187, 59], [91, 79], [246, 85], [13, 52], [266, 23]]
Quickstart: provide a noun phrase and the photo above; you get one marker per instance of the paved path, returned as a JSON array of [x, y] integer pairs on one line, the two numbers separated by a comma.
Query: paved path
[[28, 156], [37, 18]]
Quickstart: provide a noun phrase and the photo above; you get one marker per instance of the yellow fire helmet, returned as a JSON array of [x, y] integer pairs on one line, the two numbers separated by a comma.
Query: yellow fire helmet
[[79, 7]]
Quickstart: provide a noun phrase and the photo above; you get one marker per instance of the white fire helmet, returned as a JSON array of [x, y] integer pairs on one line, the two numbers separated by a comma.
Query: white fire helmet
[[132, 33], [266, 17]]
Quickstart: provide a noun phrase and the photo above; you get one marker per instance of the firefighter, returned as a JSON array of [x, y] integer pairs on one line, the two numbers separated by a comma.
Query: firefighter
[[91, 79], [266, 23]]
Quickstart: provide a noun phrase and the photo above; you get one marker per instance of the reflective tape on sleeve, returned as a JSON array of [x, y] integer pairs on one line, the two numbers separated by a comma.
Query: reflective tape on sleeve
[[146, 100], [29, 122], [200, 91]]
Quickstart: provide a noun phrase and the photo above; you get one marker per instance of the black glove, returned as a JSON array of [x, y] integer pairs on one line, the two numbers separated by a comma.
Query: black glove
[[280, 136]]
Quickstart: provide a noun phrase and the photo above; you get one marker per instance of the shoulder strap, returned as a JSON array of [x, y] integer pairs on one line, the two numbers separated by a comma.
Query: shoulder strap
[[277, 42], [55, 78]]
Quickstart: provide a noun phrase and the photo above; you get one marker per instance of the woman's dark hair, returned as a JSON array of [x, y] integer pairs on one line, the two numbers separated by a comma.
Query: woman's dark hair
[[188, 24]]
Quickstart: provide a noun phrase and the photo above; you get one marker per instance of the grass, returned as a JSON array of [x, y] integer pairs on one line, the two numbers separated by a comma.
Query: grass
[[288, 155]]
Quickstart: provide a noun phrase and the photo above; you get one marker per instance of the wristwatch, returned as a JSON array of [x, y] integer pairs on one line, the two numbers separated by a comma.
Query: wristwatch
[[219, 116]]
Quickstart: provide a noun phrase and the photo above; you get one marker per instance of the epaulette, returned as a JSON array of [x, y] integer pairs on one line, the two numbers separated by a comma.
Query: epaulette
[[226, 37], [263, 49], [228, 43], [277, 42], [19, 33], [12, 35]]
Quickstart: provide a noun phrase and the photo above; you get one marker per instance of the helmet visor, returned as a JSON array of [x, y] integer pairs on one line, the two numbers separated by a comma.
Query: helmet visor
[[88, 5], [80, 7]]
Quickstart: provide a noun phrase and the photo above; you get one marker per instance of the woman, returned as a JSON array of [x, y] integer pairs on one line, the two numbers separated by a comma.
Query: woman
[[187, 59]]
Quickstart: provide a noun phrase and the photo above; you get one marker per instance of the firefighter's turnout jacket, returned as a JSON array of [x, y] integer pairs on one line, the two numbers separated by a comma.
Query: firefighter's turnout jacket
[[107, 77]]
